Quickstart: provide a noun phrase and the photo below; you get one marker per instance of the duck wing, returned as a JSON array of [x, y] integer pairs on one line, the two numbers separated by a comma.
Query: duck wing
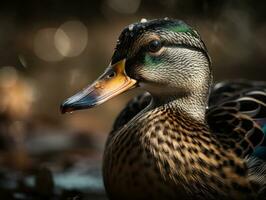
[[132, 108], [237, 115]]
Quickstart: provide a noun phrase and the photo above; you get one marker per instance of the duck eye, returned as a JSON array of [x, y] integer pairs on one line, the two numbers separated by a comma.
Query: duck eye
[[155, 46]]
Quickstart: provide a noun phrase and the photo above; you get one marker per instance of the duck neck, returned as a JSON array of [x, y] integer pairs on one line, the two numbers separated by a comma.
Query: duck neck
[[192, 104]]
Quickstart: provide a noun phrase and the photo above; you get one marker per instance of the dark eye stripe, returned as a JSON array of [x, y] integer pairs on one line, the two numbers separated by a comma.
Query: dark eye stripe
[[172, 45]]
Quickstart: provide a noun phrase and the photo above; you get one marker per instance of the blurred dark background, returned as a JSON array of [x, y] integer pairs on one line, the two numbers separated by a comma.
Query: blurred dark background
[[50, 49]]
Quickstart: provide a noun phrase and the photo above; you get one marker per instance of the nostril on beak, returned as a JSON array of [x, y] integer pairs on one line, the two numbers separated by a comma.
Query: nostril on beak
[[111, 75]]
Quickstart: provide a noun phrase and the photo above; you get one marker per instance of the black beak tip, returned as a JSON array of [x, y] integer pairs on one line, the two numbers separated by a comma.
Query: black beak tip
[[64, 108], [83, 103]]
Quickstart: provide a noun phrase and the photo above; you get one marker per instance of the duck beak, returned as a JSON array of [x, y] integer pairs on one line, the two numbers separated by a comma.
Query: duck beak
[[112, 82]]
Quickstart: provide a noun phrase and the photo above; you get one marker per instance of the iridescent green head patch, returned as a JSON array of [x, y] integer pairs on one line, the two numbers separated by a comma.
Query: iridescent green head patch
[[152, 61], [181, 27]]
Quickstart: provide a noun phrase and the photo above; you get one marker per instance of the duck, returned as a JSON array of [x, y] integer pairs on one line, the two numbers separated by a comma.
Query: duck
[[184, 137]]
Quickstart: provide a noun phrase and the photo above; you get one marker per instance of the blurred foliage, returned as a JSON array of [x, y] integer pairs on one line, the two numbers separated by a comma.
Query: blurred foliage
[[49, 49]]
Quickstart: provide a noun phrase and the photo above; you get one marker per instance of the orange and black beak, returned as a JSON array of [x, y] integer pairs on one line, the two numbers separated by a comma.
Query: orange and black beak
[[114, 81]]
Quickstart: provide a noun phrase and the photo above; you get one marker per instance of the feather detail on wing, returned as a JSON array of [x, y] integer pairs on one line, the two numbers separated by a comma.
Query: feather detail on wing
[[237, 115]]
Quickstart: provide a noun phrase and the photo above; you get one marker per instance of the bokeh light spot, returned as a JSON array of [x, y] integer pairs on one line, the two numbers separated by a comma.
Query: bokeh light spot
[[124, 6], [8, 76], [62, 42], [71, 38], [44, 46]]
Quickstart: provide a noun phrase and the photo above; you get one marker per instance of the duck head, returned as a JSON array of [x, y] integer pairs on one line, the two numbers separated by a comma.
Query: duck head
[[165, 57]]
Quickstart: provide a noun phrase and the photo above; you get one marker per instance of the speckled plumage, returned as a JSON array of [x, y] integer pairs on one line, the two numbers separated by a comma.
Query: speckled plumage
[[161, 147], [160, 152], [184, 139]]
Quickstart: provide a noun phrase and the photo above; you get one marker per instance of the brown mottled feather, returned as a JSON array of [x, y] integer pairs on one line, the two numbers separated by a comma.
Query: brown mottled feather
[[163, 148], [234, 114]]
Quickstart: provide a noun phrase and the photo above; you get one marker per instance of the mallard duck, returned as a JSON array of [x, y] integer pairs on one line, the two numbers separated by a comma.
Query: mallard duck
[[184, 138]]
